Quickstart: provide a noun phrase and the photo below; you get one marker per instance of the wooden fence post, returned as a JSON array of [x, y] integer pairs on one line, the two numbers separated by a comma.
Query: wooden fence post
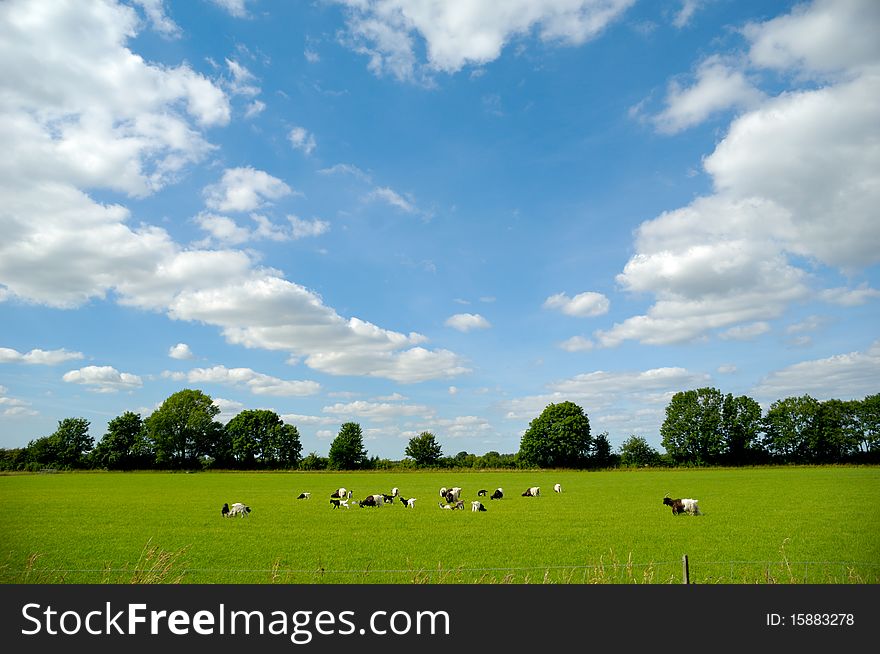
[[685, 572]]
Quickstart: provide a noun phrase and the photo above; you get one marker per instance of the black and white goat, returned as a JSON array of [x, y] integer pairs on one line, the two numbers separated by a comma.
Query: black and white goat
[[534, 491], [682, 505], [304, 496], [557, 488], [340, 493], [239, 509], [370, 500], [408, 503], [497, 495], [477, 505], [482, 492], [225, 510]]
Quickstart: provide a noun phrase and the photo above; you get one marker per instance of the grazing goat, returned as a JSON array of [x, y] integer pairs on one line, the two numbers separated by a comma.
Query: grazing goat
[[497, 495], [482, 492], [444, 506], [557, 488], [443, 491], [477, 505], [239, 509], [225, 510], [408, 503], [369, 500], [395, 492], [388, 499], [340, 493], [458, 505], [338, 502], [534, 491], [685, 505], [304, 496]]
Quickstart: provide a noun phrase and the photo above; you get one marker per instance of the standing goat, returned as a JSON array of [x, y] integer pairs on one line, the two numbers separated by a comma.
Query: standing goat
[[685, 505]]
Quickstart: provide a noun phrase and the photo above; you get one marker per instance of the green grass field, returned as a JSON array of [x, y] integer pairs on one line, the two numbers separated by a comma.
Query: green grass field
[[762, 525]]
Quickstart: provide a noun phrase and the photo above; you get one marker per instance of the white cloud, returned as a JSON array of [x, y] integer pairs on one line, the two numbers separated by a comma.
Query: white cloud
[[718, 87], [257, 383], [847, 297], [458, 33], [38, 357], [82, 111], [255, 108], [307, 228], [222, 228], [845, 376], [688, 9], [465, 322], [820, 37], [301, 139], [346, 169], [235, 8], [311, 56], [745, 332], [228, 409], [12, 407], [244, 189], [243, 81], [601, 391], [745, 253], [583, 305], [103, 379], [378, 410], [577, 344], [159, 20], [180, 351], [392, 197]]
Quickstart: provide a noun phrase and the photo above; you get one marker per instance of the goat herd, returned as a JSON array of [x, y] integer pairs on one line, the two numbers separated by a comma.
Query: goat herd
[[341, 497]]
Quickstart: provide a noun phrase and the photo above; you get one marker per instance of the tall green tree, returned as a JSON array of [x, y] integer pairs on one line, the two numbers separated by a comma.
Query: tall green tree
[[601, 456], [790, 428], [692, 431], [260, 438], [558, 438], [183, 429], [837, 435], [637, 452], [347, 450], [424, 449], [869, 423], [124, 446], [65, 448], [741, 424]]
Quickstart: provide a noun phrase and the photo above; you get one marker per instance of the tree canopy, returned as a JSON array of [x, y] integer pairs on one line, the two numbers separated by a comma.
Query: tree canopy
[[183, 429], [558, 438], [347, 450], [424, 449]]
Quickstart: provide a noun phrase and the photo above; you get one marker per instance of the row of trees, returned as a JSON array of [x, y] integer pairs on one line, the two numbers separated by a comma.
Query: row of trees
[[702, 427]]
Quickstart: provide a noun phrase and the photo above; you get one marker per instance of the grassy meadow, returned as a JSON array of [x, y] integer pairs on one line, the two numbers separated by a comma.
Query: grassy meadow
[[760, 525]]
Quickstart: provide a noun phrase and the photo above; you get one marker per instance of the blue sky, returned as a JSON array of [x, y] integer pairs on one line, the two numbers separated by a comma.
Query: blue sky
[[428, 215]]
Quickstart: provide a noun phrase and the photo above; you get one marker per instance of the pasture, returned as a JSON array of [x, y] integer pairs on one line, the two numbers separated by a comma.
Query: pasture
[[760, 525]]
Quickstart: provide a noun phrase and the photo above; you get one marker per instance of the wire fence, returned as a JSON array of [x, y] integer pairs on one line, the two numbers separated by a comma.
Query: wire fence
[[165, 569]]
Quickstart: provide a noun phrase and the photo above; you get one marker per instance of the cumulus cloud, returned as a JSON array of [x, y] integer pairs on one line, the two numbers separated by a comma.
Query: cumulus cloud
[[38, 357], [180, 351], [75, 117], [577, 344], [583, 305], [845, 376], [103, 379], [684, 15], [616, 392], [465, 322], [458, 33], [244, 189], [850, 297], [12, 407], [257, 383], [736, 257], [745, 332], [307, 228], [718, 86]]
